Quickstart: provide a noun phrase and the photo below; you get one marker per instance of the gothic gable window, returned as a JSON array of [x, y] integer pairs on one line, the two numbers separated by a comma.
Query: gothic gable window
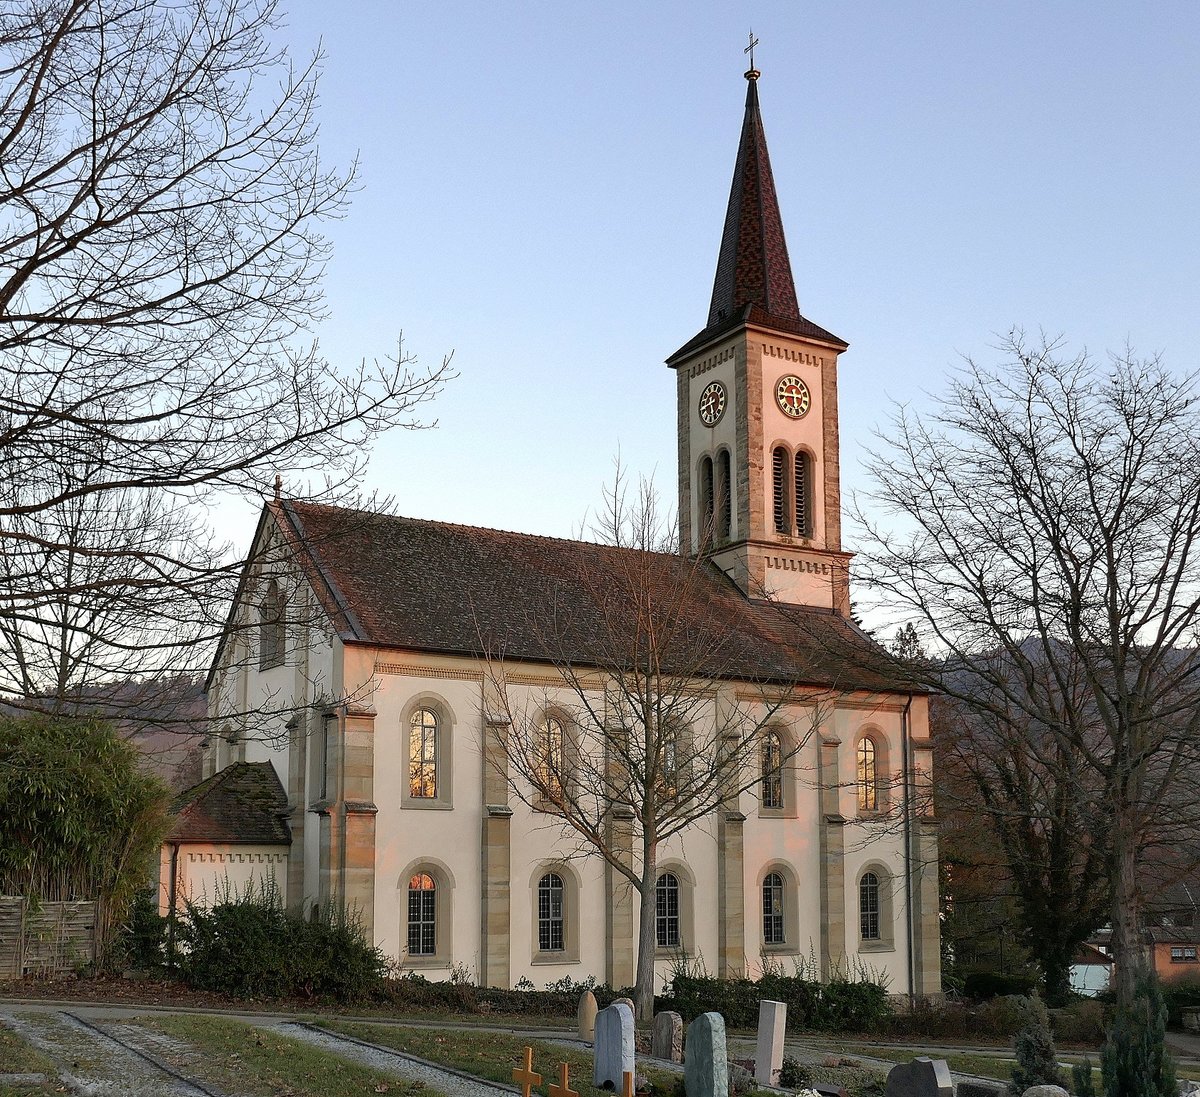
[[271, 634], [552, 935], [422, 915], [666, 911], [423, 754], [771, 759]]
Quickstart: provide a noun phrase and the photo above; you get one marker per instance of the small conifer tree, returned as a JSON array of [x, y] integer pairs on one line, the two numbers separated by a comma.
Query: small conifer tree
[[1082, 1083], [1037, 1058], [1134, 1062]]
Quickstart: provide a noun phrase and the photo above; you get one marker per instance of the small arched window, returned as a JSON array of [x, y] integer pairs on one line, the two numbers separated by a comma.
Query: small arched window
[[779, 484], [772, 900], [803, 505], [552, 757], [724, 496], [868, 907], [867, 776], [271, 636], [423, 754], [551, 914], [772, 770], [666, 911], [422, 915], [706, 499]]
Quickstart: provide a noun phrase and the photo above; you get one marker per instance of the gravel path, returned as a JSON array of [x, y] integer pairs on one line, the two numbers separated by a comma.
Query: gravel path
[[440, 1081]]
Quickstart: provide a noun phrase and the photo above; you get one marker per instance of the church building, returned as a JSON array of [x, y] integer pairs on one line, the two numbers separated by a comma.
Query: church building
[[358, 749]]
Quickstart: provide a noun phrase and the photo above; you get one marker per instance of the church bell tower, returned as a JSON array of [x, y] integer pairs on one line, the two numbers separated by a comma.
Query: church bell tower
[[759, 481]]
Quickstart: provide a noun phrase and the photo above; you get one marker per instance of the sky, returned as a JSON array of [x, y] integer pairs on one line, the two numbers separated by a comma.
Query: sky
[[543, 186]]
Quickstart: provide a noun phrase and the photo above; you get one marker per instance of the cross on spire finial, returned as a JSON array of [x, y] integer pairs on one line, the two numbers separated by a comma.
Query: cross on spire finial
[[752, 74]]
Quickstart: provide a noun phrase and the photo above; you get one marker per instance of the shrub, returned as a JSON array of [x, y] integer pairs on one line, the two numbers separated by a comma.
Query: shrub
[[1134, 1062], [1180, 994], [1082, 1084], [794, 1074], [1037, 1059], [143, 937], [980, 985], [249, 946]]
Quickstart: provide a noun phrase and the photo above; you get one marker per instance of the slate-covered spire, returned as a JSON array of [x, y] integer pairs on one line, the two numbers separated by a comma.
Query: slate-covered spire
[[753, 266]]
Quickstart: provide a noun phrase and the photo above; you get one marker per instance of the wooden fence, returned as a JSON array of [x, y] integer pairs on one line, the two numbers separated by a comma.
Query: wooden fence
[[39, 938]]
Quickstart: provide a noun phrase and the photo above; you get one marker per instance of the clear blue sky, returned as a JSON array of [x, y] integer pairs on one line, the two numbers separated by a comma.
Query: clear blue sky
[[543, 187]]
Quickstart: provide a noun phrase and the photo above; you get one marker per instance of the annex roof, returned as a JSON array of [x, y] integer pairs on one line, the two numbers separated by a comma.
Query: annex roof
[[439, 587], [243, 804]]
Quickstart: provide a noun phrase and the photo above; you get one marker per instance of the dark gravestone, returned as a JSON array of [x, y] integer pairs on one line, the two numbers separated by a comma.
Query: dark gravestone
[[923, 1077]]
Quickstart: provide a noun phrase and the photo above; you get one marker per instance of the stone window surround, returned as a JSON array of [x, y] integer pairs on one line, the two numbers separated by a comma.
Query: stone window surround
[[790, 946], [443, 880], [444, 800], [569, 954], [272, 631], [788, 745], [886, 940], [882, 770], [687, 909], [570, 748]]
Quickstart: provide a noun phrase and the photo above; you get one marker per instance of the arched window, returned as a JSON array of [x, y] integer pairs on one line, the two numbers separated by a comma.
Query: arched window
[[423, 754], [868, 907], [706, 499], [552, 757], [271, 636], [803, 507], [867, 777], [772, 770], [422, 915], [666, 911], [724, 496], [552, 935], [779, 479], [772, 900]]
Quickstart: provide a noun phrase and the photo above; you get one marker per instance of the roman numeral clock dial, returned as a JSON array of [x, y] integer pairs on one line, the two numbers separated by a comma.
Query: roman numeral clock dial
[[712, 403], [792, 396]]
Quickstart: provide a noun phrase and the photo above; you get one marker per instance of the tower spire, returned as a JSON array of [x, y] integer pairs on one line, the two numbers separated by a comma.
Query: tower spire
[[753, 266]]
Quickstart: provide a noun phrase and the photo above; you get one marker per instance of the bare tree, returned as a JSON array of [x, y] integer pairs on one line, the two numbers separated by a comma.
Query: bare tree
[[1052, 510], [656, 734], [161, 259]]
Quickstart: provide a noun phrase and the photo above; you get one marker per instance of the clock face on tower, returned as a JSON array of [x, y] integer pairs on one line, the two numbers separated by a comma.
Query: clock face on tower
[[712, 403], [791, 394]]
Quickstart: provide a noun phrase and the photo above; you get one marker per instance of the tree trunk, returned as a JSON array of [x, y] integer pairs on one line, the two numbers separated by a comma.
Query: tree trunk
[[1056, 971], [644, 996], [1126, 911]]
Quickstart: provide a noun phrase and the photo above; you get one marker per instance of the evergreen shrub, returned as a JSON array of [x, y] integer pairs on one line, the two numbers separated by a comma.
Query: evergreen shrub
[[1037, 1058], [980, 985], [1134, 1062], [248, 946]]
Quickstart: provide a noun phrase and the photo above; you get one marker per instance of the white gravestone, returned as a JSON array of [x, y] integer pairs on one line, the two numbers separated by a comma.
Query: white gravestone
[[768, 1057]]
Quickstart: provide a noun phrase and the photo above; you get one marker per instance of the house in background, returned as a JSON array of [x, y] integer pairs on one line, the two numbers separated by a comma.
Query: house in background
[[354, 666]]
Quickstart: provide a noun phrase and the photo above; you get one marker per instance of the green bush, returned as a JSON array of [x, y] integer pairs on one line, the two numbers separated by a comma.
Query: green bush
[[1180, 994], [980, 985], [840, 1005], [249, 946], [1037, 1059], [1082, 1082], [1134, 1062], [143, 937]]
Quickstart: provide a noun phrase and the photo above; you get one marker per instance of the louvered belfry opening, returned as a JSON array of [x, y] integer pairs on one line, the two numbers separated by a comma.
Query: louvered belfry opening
[[803, 523], [724, 496], [779, 462], [706, 498]]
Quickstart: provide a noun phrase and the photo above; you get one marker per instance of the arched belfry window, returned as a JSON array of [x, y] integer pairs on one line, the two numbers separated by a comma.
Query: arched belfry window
[[724, 496], [706, 498], [779, 483], [271, 636], [802, 495]]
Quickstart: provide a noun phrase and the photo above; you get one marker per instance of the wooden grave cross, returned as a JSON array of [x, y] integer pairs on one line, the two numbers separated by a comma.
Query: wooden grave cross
[[563, 1088], [524, 1076]]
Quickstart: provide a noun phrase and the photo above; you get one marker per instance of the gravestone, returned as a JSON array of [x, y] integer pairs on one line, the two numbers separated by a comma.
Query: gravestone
[[613, 1047], [667, 1039], [1045, 1091], [585, 1016], [768, 1057], [628, 1002], [705, 1063], [981, 1089], [923, 1077], [822, 1089]]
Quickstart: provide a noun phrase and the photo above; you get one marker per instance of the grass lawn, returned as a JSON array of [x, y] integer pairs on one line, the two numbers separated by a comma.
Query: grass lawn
[[17, 1056], [246, 1060]]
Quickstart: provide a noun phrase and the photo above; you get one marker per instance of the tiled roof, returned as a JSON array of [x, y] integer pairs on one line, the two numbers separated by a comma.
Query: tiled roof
[[754, 282], [438, 587], [243, 804]]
